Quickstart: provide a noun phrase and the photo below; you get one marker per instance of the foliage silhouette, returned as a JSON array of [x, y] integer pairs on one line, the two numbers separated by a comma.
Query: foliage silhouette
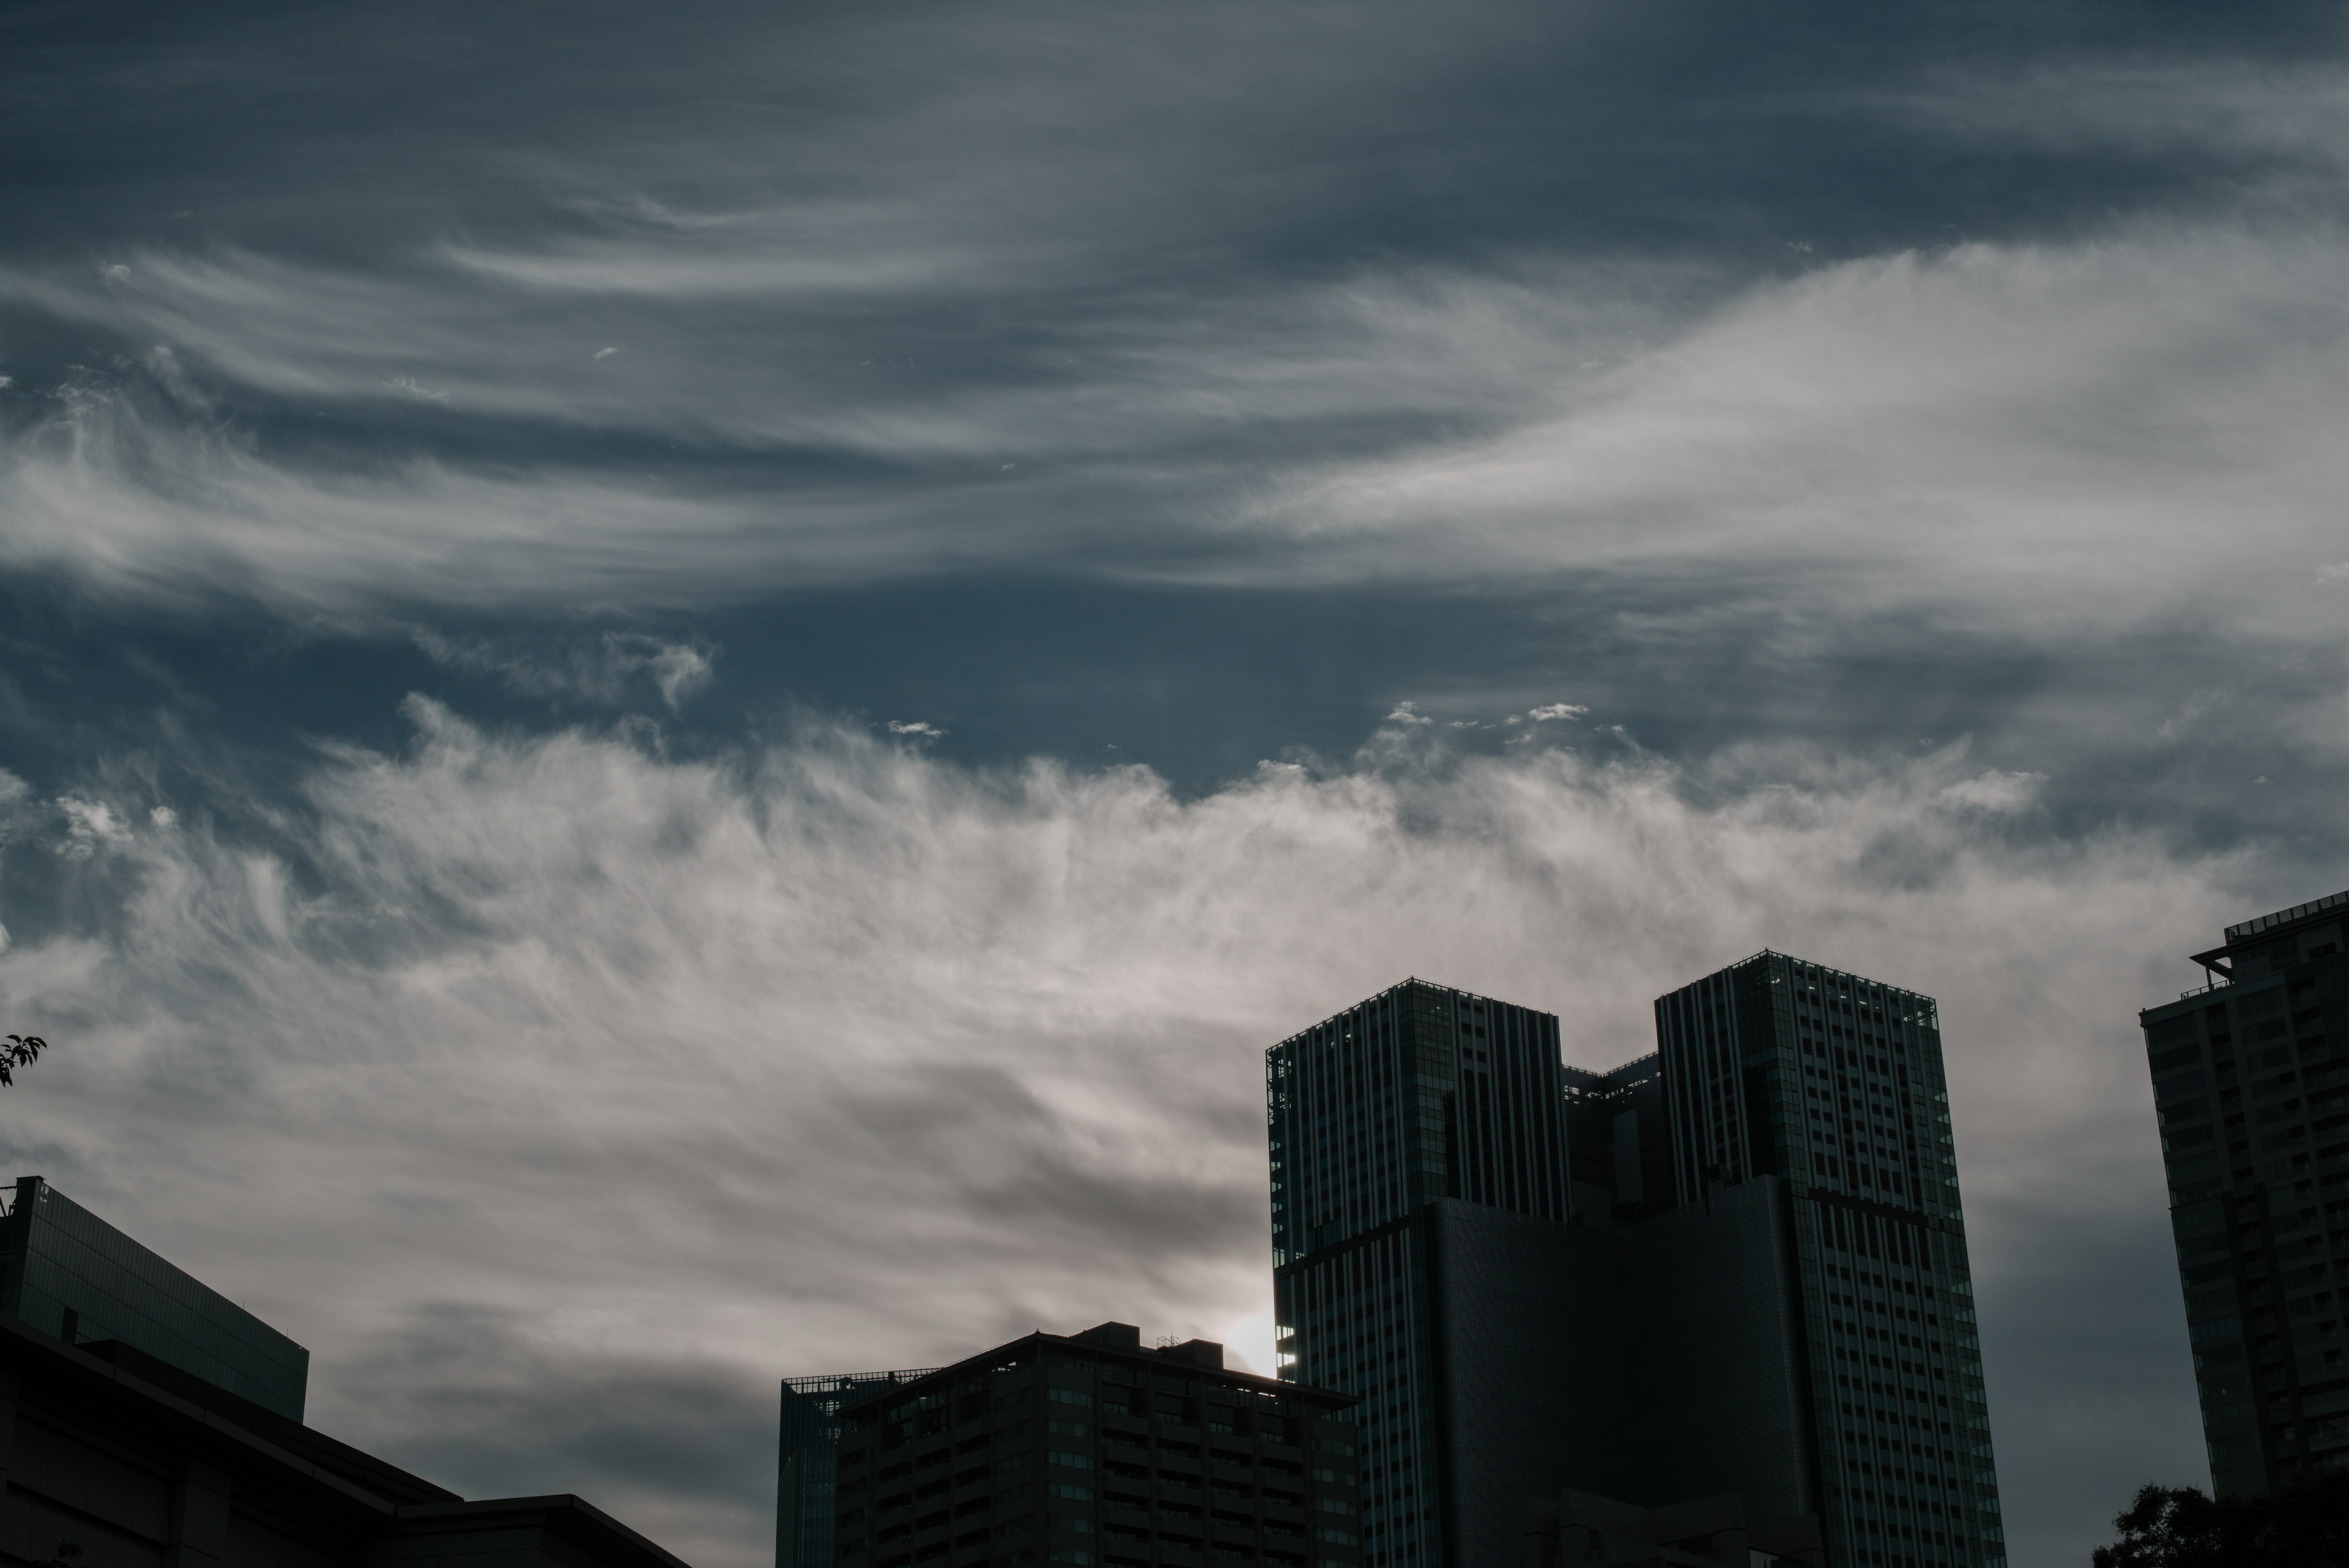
[[2306, 1525], [19, 1052]]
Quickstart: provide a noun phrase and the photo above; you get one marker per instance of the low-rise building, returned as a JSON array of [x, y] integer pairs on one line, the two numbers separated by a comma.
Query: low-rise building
[[114, 1456], [1092, 1449]]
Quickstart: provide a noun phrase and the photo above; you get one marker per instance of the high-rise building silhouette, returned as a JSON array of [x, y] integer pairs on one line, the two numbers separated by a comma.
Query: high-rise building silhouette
[[1410, 1115], [1830, 1086], [2250, 1086], [1738, 1264], [807, 1458]]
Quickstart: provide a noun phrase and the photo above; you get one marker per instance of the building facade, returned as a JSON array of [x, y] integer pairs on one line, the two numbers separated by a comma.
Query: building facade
[[71, 1274], [811, 1439], [1736, 1265], [116, 1456], [1394, 1128], [1830, 1087], [2250, 1086], [1090, 1449]]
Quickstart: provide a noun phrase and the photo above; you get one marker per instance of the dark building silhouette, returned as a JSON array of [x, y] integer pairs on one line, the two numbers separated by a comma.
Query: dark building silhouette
[[69, 1273], [1578, 1530], [115, 1457], [1736, 1266], [2250, 1086], [811, 1439], [1092, 1450], [1422, 1128]]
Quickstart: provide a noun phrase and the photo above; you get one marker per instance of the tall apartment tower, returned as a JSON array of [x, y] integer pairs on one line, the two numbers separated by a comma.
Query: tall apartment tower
[[2250, 1085], [1737, 1264], [808, 1455], [1393, 1128], [1829, 1087]]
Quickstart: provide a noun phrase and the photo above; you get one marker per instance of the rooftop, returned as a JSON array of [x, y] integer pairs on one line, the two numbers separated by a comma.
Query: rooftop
[[1119, 1341], [2286, 917]]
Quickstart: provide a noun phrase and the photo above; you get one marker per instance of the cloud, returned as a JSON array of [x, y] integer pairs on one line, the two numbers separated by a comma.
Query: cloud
[[1994, 791], [915, 727], [1974, 431], [1935, 378], [603, 670], [90, 826], [2279, 116], [1954, 438], [688, 1074]]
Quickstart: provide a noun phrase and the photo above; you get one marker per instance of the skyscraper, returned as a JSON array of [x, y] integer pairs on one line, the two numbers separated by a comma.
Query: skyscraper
[[1377, 1117], [1832, 1084], [1737, 1264], [807, 1458], [2251, 1085]]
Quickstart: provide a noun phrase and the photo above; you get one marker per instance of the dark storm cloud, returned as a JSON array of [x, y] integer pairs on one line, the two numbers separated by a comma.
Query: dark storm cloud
[[1862, 482]]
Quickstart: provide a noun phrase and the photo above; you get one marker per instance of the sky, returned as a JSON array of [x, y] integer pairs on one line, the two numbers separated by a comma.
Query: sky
[[683, 690]]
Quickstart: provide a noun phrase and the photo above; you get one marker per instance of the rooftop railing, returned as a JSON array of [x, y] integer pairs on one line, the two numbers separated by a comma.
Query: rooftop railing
[[2286, 916]]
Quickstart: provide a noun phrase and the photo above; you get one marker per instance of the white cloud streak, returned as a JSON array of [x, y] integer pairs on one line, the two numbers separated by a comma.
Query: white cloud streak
[[1982, 431], [837, 1054], [1976, 433], [606, 669]]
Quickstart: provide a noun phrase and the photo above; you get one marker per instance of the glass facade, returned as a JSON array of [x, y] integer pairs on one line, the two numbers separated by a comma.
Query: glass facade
[[1419, 1095], [809, 1453], [69, 1273], [2250, 1086], [1833, 1082]]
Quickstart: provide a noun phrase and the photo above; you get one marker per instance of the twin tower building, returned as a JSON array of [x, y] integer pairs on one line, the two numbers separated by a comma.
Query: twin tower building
[[1527, 1315], [1737, 1265]]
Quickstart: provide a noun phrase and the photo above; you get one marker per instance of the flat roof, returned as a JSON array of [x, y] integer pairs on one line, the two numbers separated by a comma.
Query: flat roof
[[2298, 912], [1161, 1360]]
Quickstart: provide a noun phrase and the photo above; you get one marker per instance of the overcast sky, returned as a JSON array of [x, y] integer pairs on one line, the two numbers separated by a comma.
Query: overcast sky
[[683, 689]]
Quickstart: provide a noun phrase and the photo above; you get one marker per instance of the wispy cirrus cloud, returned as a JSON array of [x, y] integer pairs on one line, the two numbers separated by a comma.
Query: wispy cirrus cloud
[[1975, 431], [601, 669]]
